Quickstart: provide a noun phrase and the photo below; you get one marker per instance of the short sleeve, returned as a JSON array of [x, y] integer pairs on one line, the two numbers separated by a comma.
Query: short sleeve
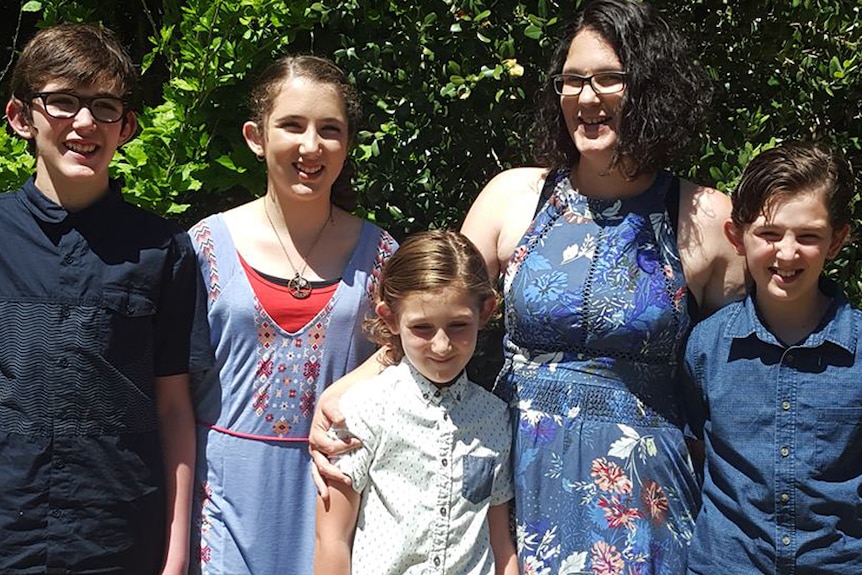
[[363, 416], [691, 390], [504, 489], [175, 313]]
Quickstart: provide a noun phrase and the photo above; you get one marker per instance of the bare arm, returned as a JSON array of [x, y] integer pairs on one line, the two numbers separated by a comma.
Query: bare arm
[[501, 214], [714, 272], [177, 430], [505, 556], [335, 524], [321, 445]]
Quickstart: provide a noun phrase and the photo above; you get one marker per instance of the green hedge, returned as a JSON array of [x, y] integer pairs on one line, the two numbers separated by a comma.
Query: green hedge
[[448, 88]]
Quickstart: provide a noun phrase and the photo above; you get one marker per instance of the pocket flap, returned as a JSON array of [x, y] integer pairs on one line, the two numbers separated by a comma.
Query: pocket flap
[[129, 303]]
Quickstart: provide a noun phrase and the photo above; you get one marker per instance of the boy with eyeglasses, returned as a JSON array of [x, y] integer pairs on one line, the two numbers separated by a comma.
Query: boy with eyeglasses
[[96, 299]]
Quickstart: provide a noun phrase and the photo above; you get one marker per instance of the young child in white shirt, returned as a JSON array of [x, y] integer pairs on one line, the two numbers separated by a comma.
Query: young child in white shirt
[[432, 481]]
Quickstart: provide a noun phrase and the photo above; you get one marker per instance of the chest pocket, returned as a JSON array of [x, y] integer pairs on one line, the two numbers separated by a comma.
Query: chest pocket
[[478, 478], [129, 317], [838, 452]]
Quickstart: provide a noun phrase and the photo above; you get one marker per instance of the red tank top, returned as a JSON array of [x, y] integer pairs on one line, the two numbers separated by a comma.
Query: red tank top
[[290, 313]]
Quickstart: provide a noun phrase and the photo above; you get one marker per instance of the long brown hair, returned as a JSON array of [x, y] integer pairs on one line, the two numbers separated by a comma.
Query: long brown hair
[[262, 97]]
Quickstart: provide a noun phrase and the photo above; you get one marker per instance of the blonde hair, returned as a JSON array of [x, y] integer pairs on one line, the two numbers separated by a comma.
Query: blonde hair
[[427, 262]]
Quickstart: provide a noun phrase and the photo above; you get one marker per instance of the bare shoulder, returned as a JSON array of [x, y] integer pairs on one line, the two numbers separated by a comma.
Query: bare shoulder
[[714, 271], [246, 213], [502, 212]]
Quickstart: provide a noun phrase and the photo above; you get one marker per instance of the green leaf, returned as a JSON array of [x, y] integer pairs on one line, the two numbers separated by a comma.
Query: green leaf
[[185, 85], [31, 6], [228, 163], [533, 31]]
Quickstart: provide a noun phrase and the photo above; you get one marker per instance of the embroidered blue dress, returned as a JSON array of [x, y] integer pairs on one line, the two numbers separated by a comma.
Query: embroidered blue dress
[[255, 499], [595, 317]]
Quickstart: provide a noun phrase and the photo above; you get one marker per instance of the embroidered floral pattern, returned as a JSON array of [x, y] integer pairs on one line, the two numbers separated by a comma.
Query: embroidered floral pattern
[[202, 235], [203, 493], [257, 405]]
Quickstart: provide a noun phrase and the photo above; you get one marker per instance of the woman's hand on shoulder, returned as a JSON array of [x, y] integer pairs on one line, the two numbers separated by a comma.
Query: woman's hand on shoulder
[[322, 444], [501, 214], [714, 272]]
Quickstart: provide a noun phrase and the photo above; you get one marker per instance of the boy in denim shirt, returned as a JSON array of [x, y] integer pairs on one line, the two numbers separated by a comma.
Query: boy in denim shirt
[[775, 383]]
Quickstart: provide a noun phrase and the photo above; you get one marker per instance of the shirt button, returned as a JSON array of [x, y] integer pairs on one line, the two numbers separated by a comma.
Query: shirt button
[[436, 562], [443, 511], [56, 513], [63, 362], [785, 540], [785, 497], [59, 463], [68, 259], [65, 312], [425, 395], [785, 451], [785, 405], [445, 462]]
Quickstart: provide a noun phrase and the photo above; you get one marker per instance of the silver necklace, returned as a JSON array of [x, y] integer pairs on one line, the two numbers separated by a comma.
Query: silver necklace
[[297, 286]]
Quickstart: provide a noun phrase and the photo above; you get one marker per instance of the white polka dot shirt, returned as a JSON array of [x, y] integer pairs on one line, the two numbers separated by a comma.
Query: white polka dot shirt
[[433, 460]]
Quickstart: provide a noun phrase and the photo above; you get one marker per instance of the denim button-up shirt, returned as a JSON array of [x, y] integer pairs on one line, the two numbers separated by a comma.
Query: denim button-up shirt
[[782, 427]]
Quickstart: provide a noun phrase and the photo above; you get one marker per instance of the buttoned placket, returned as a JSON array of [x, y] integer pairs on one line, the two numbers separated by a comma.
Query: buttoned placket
[[441, 402], [786, 387]]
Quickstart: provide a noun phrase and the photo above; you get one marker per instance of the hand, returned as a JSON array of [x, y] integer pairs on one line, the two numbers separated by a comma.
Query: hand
[[323, 444]]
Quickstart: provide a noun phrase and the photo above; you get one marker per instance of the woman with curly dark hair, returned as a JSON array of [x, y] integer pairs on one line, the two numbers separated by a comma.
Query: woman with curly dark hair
[[607, 260]]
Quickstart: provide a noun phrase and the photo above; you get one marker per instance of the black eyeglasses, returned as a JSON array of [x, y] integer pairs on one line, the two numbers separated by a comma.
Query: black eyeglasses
[[601, 83], [64, 105]]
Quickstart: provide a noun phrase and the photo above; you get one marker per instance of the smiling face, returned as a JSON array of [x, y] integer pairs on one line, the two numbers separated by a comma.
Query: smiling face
[[438, 330], [72, 153], [592, 119], [786, 249], [304, 138]]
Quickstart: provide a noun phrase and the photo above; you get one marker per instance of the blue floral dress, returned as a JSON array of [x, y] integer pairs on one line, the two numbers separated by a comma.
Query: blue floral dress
[[595, 317]]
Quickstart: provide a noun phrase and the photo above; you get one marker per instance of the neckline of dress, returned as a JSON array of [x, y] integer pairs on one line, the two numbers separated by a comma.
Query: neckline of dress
[[658, 184]]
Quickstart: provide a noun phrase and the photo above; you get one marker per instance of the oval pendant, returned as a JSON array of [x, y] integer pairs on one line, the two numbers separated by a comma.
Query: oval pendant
[[299, 287]]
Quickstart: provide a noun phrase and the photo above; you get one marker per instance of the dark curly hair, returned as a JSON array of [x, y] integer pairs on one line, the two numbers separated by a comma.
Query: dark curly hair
[[261, 101], [665, 99]]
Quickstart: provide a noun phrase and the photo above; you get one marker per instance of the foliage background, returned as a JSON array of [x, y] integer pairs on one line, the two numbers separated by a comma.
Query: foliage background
[[448, 88]]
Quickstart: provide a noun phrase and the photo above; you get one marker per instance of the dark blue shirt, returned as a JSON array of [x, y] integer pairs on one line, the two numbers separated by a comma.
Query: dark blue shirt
[[782, 426], [94, 305]]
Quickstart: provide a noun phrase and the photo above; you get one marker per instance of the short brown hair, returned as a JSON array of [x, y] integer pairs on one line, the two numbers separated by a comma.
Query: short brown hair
[[792, 169], [262, 97], [425, 263], [80, 54]]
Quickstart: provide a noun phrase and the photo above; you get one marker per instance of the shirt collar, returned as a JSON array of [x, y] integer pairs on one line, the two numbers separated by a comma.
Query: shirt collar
[[432, 393], [50, 212], [836, 327]]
